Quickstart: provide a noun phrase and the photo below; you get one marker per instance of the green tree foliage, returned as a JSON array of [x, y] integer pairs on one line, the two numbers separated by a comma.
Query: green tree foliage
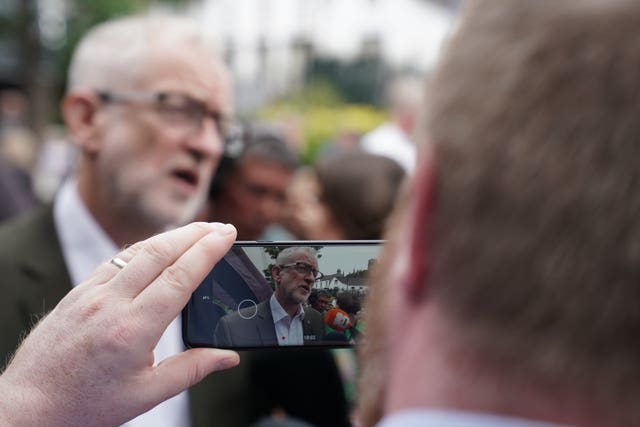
[[360, 81], [358, 273], [323, 115]]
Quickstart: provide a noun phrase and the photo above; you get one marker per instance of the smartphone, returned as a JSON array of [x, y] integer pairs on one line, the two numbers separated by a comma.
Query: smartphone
[[313, 290]]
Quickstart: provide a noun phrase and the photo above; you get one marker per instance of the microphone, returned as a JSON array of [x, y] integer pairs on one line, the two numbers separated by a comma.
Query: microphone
[[337, 319]]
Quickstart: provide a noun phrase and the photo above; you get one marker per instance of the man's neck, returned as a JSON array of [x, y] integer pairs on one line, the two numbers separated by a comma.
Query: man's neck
[[292, 309], [428, 372], [124, 229], [83, 241], [120, 225]]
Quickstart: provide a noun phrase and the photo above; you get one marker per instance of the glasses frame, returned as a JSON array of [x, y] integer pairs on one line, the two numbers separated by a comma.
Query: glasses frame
[[227, 129], [317, 274]]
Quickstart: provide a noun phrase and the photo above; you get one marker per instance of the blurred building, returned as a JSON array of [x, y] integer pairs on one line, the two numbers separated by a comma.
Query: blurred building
[[270, 44]]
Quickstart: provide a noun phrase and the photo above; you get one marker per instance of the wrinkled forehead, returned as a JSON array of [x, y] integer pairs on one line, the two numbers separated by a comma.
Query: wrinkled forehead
[[190, 70], [306, 255], [153, 51], [184, 65], [306, 258]]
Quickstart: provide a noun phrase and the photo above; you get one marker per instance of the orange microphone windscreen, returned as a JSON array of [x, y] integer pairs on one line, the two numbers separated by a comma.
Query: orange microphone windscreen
[[337, 319]]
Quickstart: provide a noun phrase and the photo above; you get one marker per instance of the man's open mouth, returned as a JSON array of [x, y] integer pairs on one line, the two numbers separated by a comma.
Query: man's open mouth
[[187, 176]]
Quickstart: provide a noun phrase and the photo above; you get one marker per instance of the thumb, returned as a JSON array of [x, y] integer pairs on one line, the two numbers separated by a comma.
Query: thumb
[[177, 373]]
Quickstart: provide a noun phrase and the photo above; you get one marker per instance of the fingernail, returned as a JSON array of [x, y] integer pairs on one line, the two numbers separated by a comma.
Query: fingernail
[[229, 361], [228, 229], [223, 228]]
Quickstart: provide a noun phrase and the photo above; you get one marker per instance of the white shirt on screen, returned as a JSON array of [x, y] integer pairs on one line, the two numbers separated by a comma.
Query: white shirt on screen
[[288, 330]]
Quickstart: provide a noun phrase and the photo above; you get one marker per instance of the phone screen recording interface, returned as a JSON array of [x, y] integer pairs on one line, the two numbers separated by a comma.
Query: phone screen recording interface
[[282, 294]]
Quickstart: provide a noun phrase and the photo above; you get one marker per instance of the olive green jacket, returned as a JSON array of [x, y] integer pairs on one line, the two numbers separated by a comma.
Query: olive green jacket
[[34, 277]]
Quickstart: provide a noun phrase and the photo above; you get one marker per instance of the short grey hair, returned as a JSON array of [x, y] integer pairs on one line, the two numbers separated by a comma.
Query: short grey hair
[[288, 255], [121, 46]]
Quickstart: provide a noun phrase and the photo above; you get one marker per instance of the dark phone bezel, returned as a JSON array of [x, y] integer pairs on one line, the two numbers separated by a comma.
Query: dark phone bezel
[[273, 243]]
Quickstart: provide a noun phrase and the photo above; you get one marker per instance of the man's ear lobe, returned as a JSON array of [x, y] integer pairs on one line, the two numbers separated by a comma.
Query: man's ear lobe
[[420, 220], [275, 272], [79, 113]]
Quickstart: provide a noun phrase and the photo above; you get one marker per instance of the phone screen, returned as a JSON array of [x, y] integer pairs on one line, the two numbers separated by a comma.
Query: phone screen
[[282, 294]]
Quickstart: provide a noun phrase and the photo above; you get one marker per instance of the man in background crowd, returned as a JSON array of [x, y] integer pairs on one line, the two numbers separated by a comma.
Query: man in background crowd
[[347, 196], [508, 294], [394, 139], [18, 147], [147, 105], [319, 300], [16, 196], [250, 190]]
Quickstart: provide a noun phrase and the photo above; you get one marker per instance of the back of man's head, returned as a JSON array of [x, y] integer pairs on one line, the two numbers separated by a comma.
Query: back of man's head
[[348, 302], [535, 237], [360, 190]]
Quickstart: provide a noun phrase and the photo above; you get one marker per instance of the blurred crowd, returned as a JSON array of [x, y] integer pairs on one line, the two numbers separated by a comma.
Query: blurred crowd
[[32, 166], [506, 293], [260, 185]]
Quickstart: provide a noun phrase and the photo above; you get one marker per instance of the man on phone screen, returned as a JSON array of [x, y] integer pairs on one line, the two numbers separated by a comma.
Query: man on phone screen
[[281, 320]]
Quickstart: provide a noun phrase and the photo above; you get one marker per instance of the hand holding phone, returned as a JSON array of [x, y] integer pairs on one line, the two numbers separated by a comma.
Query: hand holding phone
[[260, 296]]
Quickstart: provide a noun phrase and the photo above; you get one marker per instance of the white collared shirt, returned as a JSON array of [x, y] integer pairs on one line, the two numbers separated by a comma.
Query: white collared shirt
[[288, 330], [84, 246], [451, 418]]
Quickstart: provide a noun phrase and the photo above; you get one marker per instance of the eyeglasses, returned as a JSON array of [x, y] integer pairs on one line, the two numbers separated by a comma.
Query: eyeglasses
[[180, 111], [304, 269]]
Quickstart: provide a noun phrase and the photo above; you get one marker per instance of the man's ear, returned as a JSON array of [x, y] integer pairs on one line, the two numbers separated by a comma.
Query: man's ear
[[275, 273], [420, 217], [79, 110]]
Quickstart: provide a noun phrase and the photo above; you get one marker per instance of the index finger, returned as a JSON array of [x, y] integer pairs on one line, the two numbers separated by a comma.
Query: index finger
[[149, 258], [168, 294]]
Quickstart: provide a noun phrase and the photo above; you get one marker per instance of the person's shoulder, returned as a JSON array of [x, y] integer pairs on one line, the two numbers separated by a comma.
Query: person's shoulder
[[38, 217], [31, 261], [253, 312], [384, 134], [236, 315], [312, 313], [229, 317], [20, 234], [314, 319], [258, 311]]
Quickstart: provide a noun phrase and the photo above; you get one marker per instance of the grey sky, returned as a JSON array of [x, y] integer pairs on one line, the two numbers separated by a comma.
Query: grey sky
[[346, 258]]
